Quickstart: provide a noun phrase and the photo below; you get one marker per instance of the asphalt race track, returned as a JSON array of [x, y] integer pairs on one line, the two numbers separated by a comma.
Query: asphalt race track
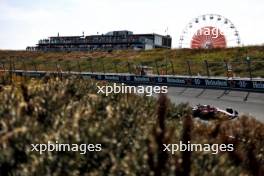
[[253, 106]]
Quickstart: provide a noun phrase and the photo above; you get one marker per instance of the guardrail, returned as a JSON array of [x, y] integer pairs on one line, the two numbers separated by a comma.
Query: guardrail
[[220, 83], [164, 66]]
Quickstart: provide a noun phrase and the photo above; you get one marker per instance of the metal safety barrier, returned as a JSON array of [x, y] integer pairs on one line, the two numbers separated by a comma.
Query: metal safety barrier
[[220, 83]]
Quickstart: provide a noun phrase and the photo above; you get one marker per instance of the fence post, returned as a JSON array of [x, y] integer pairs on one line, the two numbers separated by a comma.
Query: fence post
[[189, 68], [35, 66], [3, 66], [79, 67], [103, 66], [128, 67], [157, 68], [14, 66], [10, 70], [116, 69], [172, 67], [207, 68], [249, 67], [68, 68], [24, 66], [24, 70], [226, 67], [166, 66], [4, 71], [57, 67], [91, 65]]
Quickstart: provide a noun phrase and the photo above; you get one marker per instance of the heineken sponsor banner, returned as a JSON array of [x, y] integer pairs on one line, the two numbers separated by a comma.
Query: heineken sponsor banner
[[177, 81], [93, 76], [33, 74], [198, 82], [129, 78], [112, 78], [181, 81], [248, 85], [160, 80], [242, 84], [245, 85], [142, 79], [216, 83], [99, 77], [258, 85]]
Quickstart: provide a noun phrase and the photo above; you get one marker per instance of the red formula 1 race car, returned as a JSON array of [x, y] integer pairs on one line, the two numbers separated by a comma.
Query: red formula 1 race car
[[207, 112]]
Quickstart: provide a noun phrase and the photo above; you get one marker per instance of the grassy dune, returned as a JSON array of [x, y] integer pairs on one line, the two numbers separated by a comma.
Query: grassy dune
[[118, 60], [130, 128]]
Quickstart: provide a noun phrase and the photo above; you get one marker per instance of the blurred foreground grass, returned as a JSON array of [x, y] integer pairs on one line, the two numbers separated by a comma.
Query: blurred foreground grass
[[130, 128]]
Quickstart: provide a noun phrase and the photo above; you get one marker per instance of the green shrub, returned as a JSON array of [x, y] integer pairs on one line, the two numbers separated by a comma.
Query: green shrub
[[130, 128]]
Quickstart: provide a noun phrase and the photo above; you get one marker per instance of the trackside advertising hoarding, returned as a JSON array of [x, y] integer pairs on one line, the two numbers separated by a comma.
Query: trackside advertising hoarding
[[177, 81]]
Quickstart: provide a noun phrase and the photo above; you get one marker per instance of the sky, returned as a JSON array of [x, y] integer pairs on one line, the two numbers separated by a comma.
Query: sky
[[23, 23]]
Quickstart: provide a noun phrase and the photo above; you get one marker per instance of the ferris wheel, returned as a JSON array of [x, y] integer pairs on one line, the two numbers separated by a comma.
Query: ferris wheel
[[209, 31]]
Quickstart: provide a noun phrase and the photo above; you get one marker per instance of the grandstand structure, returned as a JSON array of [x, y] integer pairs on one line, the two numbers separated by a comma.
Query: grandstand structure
[[115, 40]]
